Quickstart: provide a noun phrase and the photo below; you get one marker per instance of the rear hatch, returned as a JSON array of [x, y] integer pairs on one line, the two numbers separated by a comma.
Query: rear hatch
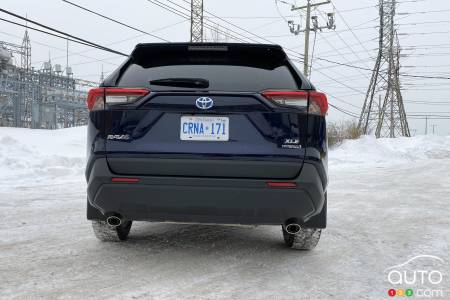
[[204, 114]]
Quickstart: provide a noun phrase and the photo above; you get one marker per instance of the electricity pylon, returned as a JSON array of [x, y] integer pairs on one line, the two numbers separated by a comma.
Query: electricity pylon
[[25, 58], [196, 21], [388, 117]]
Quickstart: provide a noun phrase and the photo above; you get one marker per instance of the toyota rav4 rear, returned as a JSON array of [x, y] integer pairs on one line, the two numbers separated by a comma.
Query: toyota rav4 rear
[[208, 133]]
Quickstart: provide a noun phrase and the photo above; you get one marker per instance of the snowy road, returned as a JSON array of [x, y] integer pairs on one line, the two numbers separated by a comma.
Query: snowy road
[[379, 216]]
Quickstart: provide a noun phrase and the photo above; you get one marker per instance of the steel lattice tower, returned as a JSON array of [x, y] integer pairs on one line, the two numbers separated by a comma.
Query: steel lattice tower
[[387, 117], [196, 21], [25, 61]]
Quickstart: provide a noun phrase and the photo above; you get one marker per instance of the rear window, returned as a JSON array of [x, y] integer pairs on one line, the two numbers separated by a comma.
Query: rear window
[[220, 77]]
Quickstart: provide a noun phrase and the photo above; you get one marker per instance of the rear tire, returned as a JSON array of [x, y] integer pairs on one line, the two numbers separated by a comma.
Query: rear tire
[[305, 239], [107, 233]]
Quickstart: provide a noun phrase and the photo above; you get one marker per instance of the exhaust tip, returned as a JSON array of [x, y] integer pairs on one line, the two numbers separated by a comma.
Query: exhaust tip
[[292, 228], [114, 221]]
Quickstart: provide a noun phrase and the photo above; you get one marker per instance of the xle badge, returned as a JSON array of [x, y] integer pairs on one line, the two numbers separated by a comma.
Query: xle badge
[[291, 144]]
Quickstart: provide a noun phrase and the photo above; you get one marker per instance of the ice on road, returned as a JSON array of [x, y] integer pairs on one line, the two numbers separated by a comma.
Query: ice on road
[[388, 201]]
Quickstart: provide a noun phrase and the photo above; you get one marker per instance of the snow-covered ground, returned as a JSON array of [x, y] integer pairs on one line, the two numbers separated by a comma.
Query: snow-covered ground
[[388, 201]]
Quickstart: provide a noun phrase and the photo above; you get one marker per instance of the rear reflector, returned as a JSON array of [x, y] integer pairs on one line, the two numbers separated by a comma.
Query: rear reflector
[[318, 103], [285, 185], [98, 97], [125, 180]]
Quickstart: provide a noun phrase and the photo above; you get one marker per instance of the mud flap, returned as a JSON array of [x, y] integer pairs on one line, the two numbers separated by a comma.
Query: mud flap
[[93, 214], [320, 220]]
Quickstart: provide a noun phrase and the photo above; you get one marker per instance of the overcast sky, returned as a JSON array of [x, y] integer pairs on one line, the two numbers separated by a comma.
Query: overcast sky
[[424, 37]]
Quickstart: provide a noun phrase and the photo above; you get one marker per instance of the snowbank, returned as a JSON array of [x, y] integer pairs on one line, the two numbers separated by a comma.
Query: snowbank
[[33, 155], [369, 151], [54, 156]]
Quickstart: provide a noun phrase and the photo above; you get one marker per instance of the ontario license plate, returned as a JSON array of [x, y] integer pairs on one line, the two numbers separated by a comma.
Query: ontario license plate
[[204, 128]]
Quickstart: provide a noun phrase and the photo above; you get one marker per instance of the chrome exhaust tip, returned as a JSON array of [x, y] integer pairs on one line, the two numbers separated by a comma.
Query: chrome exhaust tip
[[292, 228], [113, 221]]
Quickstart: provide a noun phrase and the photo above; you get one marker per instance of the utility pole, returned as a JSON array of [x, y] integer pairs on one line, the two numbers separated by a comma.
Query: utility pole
[[196, 21], [295, 28], [390, 121], [307, 30], [102, 76], [426, 125], [67, 53]]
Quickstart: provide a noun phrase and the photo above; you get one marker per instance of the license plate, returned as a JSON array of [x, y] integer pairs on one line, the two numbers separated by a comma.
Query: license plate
[[204, 128]]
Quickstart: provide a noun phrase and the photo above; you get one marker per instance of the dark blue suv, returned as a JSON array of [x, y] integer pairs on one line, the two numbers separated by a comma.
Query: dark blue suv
[[208, 133]]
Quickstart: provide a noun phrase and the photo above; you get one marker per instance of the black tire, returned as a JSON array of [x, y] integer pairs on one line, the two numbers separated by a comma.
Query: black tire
[[305, 239], [106, 233]]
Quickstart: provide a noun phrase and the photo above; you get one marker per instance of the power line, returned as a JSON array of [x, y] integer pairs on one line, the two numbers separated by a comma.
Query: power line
[[353, 33], [67, 36], [429, 102], [348, 77], [264, 25], [426, 77], [423, 12], [178, 12], [359, 8], [343, 84], [338, 52], [243, 29], [349, 53], [342, 110], [427, 66], [423, 33], [422, 23], [184, 15], [116, 21], [252, 17], [410, 1], [279, 12], [429, 112], [94, 60], [341, 48], [367, 69], [214, 23], [63, 50], [58, 36], [227, 28], [239, 35], [228, 22], [108, 44]]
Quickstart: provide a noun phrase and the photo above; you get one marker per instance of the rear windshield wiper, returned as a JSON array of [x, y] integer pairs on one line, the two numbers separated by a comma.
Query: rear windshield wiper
[[182, 82]]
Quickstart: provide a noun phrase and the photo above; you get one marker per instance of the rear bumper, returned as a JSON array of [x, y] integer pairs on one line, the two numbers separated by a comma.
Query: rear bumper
[[206, 200]]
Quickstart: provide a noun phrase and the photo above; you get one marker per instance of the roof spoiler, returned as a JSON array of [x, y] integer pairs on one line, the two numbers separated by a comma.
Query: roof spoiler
[[253, 55]]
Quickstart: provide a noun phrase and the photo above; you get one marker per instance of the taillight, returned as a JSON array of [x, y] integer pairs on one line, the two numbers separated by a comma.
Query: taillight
[[99, 97], [318, 103], [96, 99]]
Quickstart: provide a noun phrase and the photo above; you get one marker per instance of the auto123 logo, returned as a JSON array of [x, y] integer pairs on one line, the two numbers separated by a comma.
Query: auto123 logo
[[421, 276]]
